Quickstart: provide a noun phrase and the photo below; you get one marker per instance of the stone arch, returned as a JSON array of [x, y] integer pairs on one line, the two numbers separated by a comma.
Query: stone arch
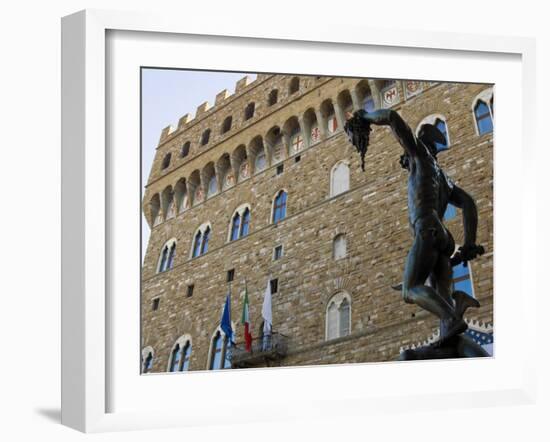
[[167, 200], [181, 196], [155, 212], [194, 186], [275, 145], [293, 136], [210, 180], [311, 127], [328, 114], [365, 96], [241, 166], [258, 155], [224, 172]]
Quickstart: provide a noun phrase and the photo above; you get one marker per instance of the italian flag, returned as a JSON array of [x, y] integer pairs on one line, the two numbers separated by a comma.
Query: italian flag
[[245, 320]]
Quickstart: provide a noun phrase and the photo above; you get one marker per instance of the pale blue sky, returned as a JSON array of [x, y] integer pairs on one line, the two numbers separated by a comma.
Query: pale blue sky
[[167, 95]]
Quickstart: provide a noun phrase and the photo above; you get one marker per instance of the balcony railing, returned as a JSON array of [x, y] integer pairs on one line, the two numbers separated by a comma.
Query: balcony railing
[[267, 348]]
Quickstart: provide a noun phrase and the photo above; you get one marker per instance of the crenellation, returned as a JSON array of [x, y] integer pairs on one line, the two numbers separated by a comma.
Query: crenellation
[[222, 96], [202, 109], [243, 83], [186, 119]]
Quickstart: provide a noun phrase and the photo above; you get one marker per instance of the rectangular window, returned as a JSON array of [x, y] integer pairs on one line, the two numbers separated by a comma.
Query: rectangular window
[[280, 169], [156, 303], [190, 289], [297, 158], [277, 252], [230, 275], [274, 283]]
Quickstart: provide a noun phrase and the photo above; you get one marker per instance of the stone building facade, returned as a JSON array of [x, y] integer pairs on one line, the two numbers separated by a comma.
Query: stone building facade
[[343, 238]]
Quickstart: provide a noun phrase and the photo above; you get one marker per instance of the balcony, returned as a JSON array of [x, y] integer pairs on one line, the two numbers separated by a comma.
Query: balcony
[[264, 349]]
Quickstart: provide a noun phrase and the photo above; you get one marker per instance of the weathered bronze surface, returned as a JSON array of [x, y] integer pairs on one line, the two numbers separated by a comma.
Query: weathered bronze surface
[[427, 280]]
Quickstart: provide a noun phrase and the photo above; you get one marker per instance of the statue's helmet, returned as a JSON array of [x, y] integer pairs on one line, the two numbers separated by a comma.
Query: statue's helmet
[[430, 135]]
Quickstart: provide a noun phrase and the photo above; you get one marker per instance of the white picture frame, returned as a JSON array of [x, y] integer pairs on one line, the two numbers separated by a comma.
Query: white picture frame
[[89, 230]]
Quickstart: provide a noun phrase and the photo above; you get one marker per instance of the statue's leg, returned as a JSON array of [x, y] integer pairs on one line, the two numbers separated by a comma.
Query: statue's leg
[[442, 277], [421, 261]]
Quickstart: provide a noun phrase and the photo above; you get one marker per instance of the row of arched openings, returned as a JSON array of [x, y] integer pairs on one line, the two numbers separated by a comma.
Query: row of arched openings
[[280, 143]]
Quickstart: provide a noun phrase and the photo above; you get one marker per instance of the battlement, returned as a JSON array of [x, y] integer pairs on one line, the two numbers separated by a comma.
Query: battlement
[[205, 108]]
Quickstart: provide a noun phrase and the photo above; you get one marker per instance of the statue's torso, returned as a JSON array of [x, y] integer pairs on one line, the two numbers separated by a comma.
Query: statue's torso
[[429, 189]]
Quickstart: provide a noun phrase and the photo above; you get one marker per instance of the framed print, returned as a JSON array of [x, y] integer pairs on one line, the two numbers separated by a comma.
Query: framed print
[[252, 245]]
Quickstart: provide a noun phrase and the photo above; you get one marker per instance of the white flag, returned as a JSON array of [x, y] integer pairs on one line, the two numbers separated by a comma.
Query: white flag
[[266, 309]]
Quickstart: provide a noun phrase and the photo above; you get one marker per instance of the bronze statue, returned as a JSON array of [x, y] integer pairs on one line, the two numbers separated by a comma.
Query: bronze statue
[[427, 280]]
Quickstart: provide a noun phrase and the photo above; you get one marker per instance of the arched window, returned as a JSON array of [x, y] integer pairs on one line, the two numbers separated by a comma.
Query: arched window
[[185, 149], [167, 255], [181, 354], [219, 356], [147, 356], [200, 240], [482, 108], [166, 160], [226, 126], [240, 223], [273, 97], [249, 111], [205, 137], [294, 85], [441, 124], [338, 316], [339, 181], [339, 247], [483, 116], [279, 207]]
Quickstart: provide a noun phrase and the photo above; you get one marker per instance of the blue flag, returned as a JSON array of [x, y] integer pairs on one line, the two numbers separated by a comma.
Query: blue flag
[[225, 324]]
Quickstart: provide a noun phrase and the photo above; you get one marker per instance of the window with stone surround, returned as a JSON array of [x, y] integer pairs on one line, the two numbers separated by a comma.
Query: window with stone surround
[[294, 86], [185, 149], [219, 357], [339, 247], [226, 126], [200, 240], [338, 316], [205, 138], [249, 111], [273, 97], [180, 355], [166, 161], [339, 179], [167, 256], [482, 108], [279, 206], [440, 122], [240, 222]]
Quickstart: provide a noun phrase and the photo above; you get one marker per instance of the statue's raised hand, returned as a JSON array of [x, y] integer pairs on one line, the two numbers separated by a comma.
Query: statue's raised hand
[[358, 128]]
